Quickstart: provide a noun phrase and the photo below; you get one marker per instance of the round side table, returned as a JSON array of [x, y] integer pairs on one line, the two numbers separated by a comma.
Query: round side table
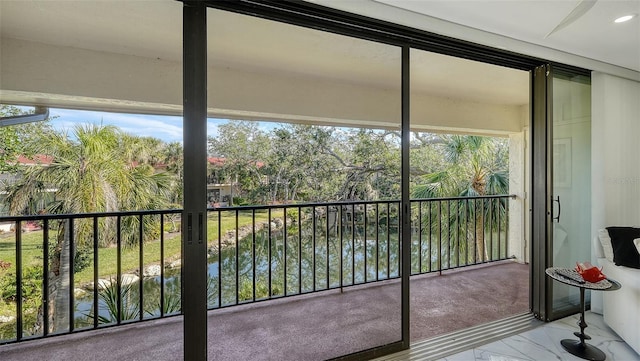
[[579, 347]]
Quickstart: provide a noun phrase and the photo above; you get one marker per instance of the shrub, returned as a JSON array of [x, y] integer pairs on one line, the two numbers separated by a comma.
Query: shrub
[[239, 201], [31, 285]]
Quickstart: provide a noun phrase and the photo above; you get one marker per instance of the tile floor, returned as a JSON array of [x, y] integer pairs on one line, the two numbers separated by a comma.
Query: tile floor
[[543, 343]]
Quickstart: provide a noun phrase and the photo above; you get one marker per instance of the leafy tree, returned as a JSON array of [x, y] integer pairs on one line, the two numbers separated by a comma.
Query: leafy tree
[[171, 156], [244, 147], [371, 164], [9, 140], [17, 140], [297, 167]]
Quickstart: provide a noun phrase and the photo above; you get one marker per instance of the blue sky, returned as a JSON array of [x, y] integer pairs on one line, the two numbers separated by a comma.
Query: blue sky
[[163, 127], [166, 128]]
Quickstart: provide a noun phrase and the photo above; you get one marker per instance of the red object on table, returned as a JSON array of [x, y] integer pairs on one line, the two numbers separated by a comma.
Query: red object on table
[[589, 272]]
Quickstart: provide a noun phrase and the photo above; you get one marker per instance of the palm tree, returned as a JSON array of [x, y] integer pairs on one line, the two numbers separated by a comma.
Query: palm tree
[[90, 173], [475, 166], [172, 155]]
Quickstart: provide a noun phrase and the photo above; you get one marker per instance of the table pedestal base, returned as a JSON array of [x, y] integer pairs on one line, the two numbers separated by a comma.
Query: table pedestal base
[[583, 350]]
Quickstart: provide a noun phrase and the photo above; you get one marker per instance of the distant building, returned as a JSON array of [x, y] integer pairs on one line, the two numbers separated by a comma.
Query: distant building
[[220, 191], [8, 179]]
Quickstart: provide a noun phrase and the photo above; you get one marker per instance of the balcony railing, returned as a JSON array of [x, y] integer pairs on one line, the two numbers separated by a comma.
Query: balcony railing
[[86, 271]]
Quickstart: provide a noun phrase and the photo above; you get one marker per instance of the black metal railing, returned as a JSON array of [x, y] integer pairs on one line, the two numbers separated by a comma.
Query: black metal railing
[[86, 271], [68, 271]]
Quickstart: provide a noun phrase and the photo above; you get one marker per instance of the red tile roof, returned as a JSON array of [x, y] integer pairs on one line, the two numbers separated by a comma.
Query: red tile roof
[[35, 160]]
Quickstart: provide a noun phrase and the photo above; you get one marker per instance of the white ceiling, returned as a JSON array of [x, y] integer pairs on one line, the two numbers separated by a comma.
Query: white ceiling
[[154, 30], [151, 29], [589, 32], [240, 41]]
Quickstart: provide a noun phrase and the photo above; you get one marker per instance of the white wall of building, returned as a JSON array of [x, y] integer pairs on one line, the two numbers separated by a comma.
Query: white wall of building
[[615, 160], [615, 152], [519, 183]]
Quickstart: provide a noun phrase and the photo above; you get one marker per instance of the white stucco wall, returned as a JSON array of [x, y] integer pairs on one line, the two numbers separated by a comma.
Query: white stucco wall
[[615, 149], [519, 174], [615, 164]]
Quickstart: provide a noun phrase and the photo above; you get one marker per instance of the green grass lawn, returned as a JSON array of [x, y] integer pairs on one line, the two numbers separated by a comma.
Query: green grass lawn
[[32, 248]]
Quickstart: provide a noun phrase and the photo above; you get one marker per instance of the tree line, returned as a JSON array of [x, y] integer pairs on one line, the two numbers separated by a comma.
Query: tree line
[[99, 168], [296, 162]]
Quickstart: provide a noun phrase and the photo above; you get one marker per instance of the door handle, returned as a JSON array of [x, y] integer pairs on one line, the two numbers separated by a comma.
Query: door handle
[[559, 209]]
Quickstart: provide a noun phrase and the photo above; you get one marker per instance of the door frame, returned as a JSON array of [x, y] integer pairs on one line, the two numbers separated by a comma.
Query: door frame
[[542, 210], [326, 19], [541, 187]]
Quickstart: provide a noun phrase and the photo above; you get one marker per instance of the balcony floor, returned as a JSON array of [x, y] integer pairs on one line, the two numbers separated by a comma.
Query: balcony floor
[[309, 327]]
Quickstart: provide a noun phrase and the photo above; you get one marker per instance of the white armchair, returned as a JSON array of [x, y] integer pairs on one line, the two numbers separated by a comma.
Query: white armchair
[[621, 309]]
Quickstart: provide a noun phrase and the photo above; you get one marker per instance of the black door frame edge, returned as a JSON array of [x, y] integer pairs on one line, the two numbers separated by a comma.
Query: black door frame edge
[[194, 214]]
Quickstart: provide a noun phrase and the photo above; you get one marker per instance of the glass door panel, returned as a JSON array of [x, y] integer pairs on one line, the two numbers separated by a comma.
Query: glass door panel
[[303, 191], [467, 156], [571, 195]]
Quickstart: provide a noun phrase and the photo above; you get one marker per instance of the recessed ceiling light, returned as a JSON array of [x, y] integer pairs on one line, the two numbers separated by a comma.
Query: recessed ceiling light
[[622, 19]]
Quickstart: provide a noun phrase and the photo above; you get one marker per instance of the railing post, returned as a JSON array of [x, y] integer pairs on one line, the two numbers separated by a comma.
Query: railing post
[[141, 266], [314, 225], [220, 258], [18, 231], [253, 251], [299, 251], [430, 234], [449, 234], [95, 272], [237, 246], [45, 277], [364, 239], [388, 241], [458, 233], [419, 237], [71, 278], [340, 225], [353, 244], [161, 265], [440, 238], [377, 241], [326, 213], [119, 268]]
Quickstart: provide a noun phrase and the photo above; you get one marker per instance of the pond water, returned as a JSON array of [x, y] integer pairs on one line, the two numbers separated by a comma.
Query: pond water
[[270, 264], [255, 269]]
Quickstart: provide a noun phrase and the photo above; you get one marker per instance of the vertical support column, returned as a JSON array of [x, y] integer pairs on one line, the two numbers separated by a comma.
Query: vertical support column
[[405, 235], [194, 247], [540, 188]]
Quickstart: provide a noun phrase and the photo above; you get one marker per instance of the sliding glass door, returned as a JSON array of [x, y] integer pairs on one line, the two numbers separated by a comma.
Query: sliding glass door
[[303, 191], [571, 192], [561, 185]]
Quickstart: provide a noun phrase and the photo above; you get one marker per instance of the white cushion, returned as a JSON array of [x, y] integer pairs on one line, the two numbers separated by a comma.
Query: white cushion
[[637, 243], [598, 252], [605, 240]]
